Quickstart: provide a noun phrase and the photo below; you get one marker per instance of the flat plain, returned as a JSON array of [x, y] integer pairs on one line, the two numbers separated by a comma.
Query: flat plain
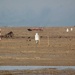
[[39, 72], [55, 48]]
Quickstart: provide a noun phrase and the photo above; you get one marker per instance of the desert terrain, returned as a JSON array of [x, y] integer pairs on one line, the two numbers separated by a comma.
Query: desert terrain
[[55, 48], [49, 71]]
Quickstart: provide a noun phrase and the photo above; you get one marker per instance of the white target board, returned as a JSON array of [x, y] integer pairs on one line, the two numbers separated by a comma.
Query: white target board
[[71, 29], [37, 37], [67, 30]]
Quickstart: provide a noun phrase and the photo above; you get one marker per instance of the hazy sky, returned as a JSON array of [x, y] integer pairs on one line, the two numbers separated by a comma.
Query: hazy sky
[[37, 12]]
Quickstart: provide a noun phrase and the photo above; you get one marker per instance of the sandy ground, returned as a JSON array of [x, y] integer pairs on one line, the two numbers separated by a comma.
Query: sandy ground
[[56, 47], [39, 72]]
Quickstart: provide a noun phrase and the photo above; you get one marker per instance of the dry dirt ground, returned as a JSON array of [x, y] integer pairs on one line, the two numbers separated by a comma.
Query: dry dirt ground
[[56, 47], [39, 72]]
